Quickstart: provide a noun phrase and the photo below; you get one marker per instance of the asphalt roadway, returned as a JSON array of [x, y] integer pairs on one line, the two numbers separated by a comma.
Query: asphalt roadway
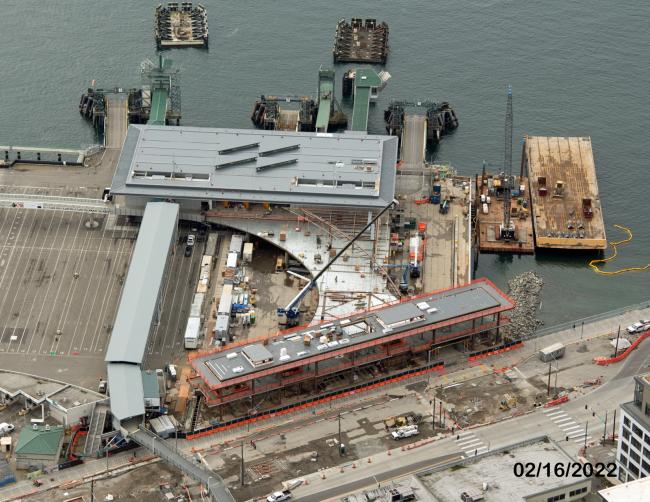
[[385, 467]]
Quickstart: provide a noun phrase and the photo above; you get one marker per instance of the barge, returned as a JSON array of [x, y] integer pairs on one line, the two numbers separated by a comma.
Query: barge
[[356, 42], [180, 24], [567, 213], [489, 203]]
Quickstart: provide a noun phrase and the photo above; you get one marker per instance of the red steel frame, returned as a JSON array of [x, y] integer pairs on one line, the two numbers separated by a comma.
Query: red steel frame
[[356, 347]]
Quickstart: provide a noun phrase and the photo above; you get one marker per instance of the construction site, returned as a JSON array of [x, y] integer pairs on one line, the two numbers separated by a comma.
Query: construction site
[[208, 279]]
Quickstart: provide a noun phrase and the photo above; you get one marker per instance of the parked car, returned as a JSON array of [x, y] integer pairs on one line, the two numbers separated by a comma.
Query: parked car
[[188, 251], [6, 428], [642, 325]]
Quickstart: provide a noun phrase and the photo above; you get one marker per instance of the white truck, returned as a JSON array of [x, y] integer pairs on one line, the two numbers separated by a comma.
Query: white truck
[[405, 432], [6, 428], [192, 333], [279, 496]]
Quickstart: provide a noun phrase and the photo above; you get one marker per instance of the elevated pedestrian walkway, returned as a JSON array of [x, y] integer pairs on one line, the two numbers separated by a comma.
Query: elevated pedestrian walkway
[[158, 446]]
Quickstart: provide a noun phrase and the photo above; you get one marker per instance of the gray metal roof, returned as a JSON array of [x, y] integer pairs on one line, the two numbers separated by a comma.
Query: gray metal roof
[[125, 388], [257, 352], [472, 300], [137, 307], [257, 166], [400, 312]]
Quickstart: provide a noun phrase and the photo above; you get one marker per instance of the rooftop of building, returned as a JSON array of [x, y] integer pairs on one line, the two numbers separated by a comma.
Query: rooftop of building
[[436, 309], [626, 492], [126, 390], [496, 470], [137, 307], [151, 384], [277, 167], [33, 388], [631, 408], [71, 397], [39, 440]]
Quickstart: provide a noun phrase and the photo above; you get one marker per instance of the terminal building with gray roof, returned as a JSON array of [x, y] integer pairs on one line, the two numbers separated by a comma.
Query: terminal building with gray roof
[[202, 167], [139, 309], [395, 336]]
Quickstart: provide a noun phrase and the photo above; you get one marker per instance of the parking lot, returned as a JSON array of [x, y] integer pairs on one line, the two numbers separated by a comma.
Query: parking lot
[[61, 275], [60, 279]]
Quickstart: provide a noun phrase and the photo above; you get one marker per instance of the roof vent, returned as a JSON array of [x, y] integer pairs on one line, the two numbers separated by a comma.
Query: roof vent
[[47, 427], [34, 427]]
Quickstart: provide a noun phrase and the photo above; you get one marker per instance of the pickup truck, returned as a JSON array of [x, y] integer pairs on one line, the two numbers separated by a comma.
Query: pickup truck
[[405, 432], [279, 496], [642, 325], [6, 428]]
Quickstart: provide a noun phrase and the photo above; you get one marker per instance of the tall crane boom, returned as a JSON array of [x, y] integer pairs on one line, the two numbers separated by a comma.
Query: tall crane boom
[[292, 310], [507, 228]]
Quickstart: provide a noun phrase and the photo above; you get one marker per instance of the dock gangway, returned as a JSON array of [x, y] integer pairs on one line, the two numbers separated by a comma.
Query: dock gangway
[[158, 446], [414, 140]]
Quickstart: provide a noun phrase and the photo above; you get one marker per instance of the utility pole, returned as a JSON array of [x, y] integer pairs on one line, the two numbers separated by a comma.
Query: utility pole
[[557, 369], [440, 401], [614, 425], [340, 449], [586, 427], [618, 335], [548, 386], [433, 411], [241, 474], [605, 428]]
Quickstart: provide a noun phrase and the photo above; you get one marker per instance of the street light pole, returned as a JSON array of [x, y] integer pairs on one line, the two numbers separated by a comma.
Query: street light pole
[[605, 428], [340, 449], [586, 428], [618, 335], [242, 464]]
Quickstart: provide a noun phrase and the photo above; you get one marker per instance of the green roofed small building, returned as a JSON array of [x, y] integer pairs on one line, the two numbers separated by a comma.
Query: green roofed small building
[[39, 447]]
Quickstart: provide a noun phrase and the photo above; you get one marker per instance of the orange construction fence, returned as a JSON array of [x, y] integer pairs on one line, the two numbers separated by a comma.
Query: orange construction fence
[[604, 361], [312, 403]]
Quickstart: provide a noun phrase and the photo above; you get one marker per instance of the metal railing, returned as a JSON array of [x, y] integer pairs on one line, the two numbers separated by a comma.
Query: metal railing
[[574, 324]]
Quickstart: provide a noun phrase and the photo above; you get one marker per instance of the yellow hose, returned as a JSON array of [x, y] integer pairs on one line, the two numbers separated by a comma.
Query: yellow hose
[[614, 244]]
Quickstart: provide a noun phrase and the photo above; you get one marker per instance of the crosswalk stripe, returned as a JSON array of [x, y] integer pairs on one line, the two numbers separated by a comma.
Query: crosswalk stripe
[[466, 434], [581, 439], [478, 450], [470, 443], [571, 427], [576, 434], [555, 412], [558, 422], [559, 418]]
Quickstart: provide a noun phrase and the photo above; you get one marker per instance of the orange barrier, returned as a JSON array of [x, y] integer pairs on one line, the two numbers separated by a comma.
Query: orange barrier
[[557, 401], [299, 407], [603, 361], [495, 352]]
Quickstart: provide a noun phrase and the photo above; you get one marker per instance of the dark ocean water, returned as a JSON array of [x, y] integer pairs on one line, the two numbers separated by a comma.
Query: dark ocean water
[[577, 68]]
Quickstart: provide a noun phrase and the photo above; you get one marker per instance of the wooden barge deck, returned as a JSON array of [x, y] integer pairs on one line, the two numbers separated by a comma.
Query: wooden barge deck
[[356, 42], [180, 24], [489, 187], [567, 212]]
